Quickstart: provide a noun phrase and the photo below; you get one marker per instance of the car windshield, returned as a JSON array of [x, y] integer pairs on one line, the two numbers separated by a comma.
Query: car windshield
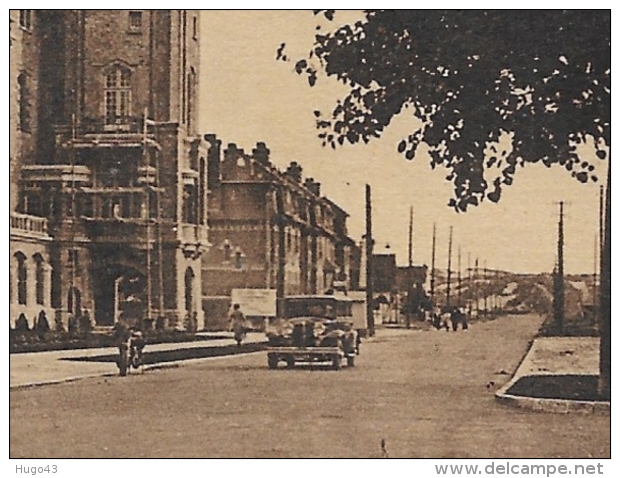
[[310, 308]]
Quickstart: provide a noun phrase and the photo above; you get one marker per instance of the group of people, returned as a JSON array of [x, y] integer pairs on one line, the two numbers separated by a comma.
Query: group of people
[[449, 318]]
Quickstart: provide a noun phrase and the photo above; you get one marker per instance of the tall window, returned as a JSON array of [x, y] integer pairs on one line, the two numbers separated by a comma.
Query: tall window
[[22, 277], [25, 19], [117, 95], [24, 101], [191, 98], [40, 279]]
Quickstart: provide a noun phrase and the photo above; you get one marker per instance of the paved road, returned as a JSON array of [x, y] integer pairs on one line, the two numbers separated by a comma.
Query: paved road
[[427, 394]]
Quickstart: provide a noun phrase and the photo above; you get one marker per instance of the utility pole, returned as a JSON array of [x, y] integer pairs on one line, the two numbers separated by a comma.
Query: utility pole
[[558, 296], [498, 300], [369, 265], [476, 290], [449, 268], [411, 236], [147, 201], [409, 308], [73, 309], [469, 288], [601, 239], [486, 289], [460, 284], [433, 265]]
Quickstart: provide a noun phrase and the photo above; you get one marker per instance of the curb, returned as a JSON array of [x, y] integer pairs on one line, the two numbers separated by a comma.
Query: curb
[[551, 405]]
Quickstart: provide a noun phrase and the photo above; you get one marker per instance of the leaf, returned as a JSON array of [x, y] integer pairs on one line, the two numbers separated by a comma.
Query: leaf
[[401, 146], [300, 66]]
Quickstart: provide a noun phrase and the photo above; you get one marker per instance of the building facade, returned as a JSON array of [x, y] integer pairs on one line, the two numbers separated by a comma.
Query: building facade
[[270, 229], [108, 172]]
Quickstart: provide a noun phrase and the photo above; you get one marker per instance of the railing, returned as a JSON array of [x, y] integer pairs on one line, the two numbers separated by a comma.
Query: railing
[[193, 234], [30, 224]]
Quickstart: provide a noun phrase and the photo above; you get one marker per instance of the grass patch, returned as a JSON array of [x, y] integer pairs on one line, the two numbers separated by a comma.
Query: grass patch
[[563, 387]]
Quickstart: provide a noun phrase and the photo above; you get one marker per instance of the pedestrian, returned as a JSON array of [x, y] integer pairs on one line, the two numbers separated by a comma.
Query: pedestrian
[[237, 323]]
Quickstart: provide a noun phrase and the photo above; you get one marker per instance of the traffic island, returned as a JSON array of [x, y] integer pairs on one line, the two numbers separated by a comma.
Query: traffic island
[[558, 375]]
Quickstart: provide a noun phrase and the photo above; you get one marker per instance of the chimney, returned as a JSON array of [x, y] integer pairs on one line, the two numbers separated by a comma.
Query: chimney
[[313, 187], [261, 154], [231, 152], [213, 161], [294, 171]]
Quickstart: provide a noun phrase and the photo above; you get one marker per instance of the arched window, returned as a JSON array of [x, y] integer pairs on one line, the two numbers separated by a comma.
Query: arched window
[[22, 278], [117, 94], [40, 279], [189, 286]]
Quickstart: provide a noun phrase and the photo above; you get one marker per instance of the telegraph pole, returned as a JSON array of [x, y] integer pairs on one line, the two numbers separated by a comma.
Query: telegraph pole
[[409, 308], [469, 288], [486, 289], [411, 236], [369, 265], [476, 289], [433, 265], [449, 268], [558, 296], [147, 189], [460, 284]]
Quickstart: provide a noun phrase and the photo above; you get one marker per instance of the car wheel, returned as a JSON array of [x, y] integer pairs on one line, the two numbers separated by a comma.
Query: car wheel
[[290, 362], [272, 361], [336, 362]]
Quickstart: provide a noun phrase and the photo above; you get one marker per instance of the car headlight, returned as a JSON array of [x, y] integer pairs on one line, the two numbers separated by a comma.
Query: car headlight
[[319, 329]]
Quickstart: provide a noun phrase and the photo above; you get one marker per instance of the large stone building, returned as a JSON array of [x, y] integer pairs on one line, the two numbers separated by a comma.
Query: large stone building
[[108, 174], [270, 229]]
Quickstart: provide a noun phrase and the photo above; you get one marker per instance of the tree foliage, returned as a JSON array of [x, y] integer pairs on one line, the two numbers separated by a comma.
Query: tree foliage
[[473, 78]]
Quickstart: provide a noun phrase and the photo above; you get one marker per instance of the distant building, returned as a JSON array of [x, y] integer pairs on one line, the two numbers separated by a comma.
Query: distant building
[[410, 276], [270, 229], [384, 273]]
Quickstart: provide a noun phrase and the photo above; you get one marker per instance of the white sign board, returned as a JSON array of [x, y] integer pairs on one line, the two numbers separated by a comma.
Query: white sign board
[[255, 302]]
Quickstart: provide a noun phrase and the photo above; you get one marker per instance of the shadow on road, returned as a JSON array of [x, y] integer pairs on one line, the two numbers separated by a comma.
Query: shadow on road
[[163, 356]]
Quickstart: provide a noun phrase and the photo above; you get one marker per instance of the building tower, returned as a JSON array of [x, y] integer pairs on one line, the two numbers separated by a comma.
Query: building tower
[[119, 169]]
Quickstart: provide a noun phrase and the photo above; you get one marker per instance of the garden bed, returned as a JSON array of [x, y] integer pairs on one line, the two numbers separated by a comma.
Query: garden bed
[[562, 387], [33, 341]]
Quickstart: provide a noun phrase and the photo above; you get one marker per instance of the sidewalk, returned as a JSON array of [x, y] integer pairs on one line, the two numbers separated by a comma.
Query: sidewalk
[[31, 369], [557, 356]]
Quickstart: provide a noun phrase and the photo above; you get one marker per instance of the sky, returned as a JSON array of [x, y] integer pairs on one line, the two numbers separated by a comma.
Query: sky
[[247, 96]]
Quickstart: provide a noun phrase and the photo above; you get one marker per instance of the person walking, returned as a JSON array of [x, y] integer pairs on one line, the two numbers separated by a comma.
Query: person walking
[[237, 323]]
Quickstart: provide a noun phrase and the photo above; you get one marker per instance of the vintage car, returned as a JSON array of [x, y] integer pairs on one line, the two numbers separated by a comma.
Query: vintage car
[[313, 329]]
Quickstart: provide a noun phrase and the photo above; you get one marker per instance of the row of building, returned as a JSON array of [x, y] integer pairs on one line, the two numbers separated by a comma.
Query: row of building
[[120, 206]]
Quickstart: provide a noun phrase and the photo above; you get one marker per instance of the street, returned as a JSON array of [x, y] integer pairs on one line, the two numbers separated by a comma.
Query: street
[[424, 393]]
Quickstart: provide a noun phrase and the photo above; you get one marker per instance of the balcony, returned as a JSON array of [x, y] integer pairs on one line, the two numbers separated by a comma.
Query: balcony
[[193, 234], [25, 225], [124, 133]]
